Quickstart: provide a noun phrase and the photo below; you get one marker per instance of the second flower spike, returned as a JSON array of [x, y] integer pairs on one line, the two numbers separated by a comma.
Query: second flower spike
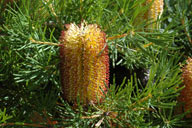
[[154, 12], [84, 63]]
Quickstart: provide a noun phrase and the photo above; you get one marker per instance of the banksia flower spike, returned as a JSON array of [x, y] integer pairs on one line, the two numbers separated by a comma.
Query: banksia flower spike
[[186, 93], [84, 63], [154, 12]]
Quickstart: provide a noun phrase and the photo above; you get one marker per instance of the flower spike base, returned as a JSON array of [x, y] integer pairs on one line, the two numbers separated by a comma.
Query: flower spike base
[[84, 63]]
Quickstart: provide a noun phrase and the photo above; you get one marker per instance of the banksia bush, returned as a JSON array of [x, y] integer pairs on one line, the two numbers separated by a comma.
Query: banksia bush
[[84, 63], [186, 93], [40, 87]]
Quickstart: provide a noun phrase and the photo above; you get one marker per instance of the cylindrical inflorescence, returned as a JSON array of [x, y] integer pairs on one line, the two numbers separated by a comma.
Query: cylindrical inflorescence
[[84, 63], [154, 12], [186, 93]]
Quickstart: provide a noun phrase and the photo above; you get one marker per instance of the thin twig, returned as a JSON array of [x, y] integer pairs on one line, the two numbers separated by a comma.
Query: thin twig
[[147, 45], [183, 23], [117, 36], [91, 117], [99, 122], [40, 42], [142, 100], [123, 35], [23, 124], [149, 109]]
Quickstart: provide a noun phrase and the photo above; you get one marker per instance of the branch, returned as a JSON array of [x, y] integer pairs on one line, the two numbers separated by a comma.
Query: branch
[[183, 23], [40, 42], [23, 124], [142, 100]]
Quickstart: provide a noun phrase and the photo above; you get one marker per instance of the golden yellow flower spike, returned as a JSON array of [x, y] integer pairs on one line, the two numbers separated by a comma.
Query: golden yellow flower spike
[[84, 63], [154, 12]]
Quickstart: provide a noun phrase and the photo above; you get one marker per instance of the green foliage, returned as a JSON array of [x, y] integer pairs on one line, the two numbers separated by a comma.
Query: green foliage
[[131, 104], [179, 22], [29, 73], [3, 116]]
